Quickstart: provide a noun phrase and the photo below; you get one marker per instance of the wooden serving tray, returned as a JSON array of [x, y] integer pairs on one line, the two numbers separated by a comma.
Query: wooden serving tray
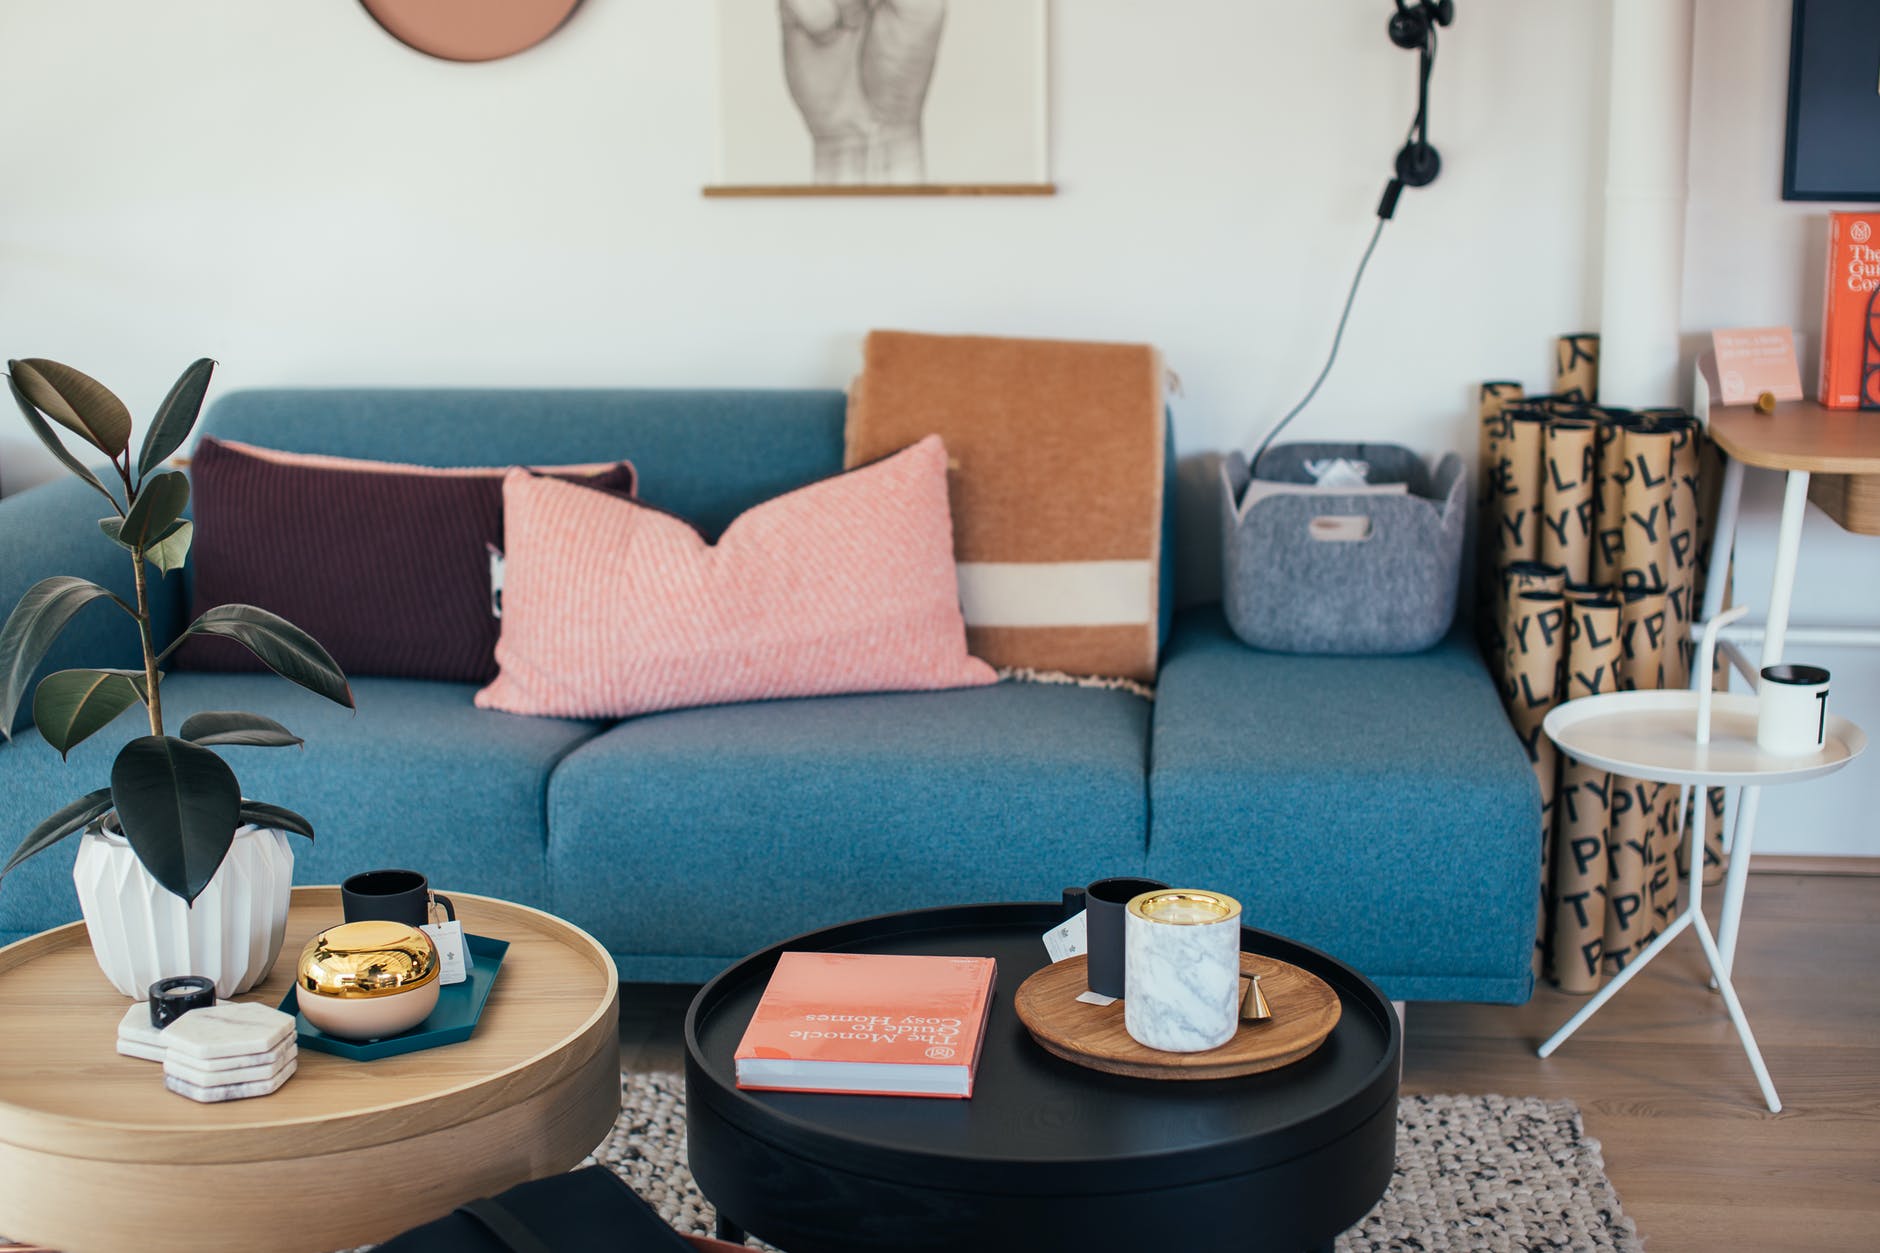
[[1305, 1009]]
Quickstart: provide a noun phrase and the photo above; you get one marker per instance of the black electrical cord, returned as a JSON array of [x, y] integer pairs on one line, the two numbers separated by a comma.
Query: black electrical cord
[[1385, 209]]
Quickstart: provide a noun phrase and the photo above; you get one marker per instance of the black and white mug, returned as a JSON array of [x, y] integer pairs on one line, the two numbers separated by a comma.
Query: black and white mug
[[1792, 710], [392, 895]]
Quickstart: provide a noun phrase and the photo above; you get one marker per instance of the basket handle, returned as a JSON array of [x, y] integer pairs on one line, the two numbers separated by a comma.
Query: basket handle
[[1333, 528]]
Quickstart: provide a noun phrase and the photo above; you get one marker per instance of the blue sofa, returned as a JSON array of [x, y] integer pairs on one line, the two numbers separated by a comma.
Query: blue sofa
[[1379, 808]]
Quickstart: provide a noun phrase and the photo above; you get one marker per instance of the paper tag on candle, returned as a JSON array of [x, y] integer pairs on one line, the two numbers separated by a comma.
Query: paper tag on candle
[[453, 959], [1067, 939]]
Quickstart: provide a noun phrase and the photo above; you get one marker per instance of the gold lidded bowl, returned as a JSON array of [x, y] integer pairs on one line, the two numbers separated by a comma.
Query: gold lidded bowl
[[367, 980]]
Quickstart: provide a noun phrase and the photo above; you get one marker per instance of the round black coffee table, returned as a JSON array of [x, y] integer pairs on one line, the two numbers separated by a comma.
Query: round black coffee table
[[1046, 1154]]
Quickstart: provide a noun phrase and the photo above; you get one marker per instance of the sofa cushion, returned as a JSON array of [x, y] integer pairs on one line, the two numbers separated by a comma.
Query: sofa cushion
[[386, 564], [685, 840], [612, 608], [419, 778], [1379, 808]]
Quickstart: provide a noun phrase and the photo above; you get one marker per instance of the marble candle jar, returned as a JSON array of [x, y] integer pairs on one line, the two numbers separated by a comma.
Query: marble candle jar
[[1182, 969]]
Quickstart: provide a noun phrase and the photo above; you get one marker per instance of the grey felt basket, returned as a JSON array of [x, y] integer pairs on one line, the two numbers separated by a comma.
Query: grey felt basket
[[1338, 573]]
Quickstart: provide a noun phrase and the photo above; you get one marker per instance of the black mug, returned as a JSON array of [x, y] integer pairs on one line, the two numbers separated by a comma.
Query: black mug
[[1103, 903], [392, 895]]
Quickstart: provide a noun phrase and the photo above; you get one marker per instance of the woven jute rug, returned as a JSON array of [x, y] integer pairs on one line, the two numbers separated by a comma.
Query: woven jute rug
[[1473, 1172]]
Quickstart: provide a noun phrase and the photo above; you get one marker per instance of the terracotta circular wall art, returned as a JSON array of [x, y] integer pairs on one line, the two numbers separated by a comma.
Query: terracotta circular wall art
[[470, 30]]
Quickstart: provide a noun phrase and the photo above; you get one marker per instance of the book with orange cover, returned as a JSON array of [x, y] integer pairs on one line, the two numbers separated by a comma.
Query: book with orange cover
[[875, 1023], [1850, 322]]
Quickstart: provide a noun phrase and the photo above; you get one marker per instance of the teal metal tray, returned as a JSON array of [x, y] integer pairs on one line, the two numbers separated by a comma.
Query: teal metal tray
[[458, 1008]]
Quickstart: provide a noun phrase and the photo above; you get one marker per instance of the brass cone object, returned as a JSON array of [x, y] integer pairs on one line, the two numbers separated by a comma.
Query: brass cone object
[[1253, 1006]]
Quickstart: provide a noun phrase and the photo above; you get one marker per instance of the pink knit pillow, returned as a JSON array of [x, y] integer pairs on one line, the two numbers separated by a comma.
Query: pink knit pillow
[[612, 608]]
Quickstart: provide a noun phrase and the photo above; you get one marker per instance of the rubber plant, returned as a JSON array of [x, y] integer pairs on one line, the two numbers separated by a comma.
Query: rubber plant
[[176, 802]]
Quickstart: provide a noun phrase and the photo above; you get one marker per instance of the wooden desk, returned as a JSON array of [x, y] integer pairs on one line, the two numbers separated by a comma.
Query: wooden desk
[[1839, 447]]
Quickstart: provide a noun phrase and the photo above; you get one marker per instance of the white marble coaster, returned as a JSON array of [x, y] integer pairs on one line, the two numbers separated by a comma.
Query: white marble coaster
[[228, 1029], [227, 1091], [136, 1037], [148, 1052], [219, 1075]]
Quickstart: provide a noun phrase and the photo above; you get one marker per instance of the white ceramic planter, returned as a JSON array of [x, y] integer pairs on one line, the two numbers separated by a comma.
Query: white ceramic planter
[[140, 932]]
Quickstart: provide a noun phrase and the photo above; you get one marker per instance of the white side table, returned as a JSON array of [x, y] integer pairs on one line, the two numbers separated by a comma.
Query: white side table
[[1704, 740]]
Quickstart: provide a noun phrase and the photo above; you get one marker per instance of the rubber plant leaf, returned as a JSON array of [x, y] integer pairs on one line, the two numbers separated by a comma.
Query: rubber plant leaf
[[280, 645], [77, 402], [176, 417], [72, 705], [168, 552], [30, 631], [72, 818], [171, 551], [55, 445], [265, 815], [158, 507], [178, 805], [233, 727]]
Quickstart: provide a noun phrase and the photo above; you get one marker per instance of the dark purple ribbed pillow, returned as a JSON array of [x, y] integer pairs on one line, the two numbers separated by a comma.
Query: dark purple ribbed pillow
[[386, 565]]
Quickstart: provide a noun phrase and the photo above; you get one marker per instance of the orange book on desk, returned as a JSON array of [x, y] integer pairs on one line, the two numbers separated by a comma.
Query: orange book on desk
[[869, 1023], [1850, 321]]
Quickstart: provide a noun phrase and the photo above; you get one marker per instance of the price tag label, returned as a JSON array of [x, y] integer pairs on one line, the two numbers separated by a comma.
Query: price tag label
[[1067, 939], [453, 956]]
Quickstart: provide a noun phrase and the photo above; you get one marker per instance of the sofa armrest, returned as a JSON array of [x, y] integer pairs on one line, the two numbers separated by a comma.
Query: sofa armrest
[[51, 530]]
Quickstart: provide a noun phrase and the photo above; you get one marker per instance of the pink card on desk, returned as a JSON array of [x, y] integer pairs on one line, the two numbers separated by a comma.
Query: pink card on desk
[[1754, 360]]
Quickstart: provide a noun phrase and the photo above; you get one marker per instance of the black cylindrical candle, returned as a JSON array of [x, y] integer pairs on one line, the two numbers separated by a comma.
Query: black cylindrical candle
[[171, 998]]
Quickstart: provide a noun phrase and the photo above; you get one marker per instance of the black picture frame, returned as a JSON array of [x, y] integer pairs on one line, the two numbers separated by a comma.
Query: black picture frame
[[1832, 149]]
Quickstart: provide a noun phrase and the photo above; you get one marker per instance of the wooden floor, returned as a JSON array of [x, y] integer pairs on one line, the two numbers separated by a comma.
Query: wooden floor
[[1699, 1163]]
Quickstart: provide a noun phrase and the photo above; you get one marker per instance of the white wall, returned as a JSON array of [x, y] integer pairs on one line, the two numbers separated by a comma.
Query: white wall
[[1752, 259], [286, 188]]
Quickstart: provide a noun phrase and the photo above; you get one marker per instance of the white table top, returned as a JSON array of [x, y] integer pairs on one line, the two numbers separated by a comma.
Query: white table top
[[1653, 735]]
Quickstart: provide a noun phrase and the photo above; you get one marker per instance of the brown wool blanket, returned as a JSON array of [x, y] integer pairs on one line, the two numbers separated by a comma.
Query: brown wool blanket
[[1056, 454]]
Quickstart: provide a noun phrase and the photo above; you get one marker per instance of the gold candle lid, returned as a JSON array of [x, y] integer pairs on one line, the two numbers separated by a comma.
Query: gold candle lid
[[363, 959], [1184, 906]]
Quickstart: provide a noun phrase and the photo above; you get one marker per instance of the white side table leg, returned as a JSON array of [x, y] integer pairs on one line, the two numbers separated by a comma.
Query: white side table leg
[[1781, 594], [1736, 880]]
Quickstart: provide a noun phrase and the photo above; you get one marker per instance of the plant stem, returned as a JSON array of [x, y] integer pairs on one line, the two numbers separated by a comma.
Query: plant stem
[[155, 701]]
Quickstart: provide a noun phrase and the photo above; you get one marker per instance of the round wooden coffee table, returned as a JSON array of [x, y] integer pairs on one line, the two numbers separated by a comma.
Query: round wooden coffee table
[[1045, 1154], [96, 1156]]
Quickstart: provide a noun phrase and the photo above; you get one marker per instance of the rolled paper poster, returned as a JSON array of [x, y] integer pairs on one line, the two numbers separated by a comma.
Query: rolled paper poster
[[1495, 399], [1628, 862], [1709, 490], [1536, 634], [1537, 637], [1579, 864], [1518, 534], [1587, 591], [1609, 474], [1645, 499], [1576, 366], [1662, 881], [1682, 586], [1577, 872], [1644, 623], [1532, 576], [1568, 469], [1595, 648], [1491, 480]]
